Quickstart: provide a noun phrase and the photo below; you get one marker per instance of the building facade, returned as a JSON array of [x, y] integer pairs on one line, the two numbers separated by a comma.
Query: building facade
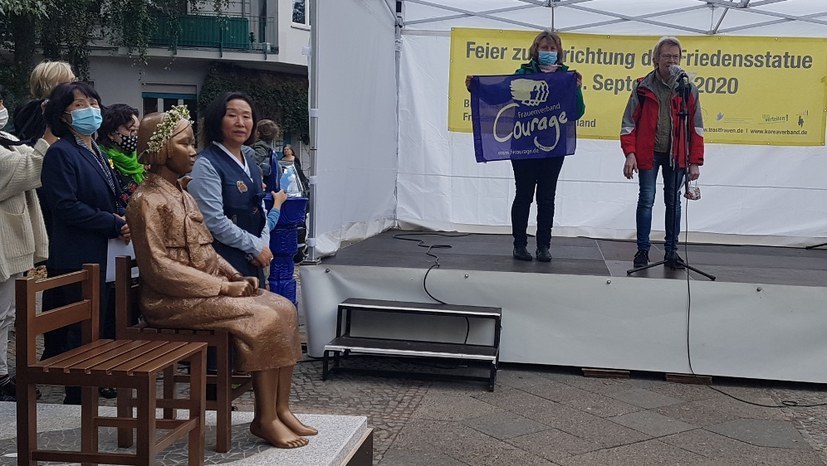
[[269, 35]]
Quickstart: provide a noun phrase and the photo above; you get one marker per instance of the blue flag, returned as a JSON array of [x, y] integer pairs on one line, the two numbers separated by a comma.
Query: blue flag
[[527, 116]]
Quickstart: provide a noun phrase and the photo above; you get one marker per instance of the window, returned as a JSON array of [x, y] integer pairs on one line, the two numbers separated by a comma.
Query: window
[[301, 15], [161, 102]]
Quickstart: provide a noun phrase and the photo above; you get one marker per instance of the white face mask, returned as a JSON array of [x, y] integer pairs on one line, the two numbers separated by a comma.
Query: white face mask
[[4, 117]]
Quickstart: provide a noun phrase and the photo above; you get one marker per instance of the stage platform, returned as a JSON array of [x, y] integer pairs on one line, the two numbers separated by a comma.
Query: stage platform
[[764, 317]]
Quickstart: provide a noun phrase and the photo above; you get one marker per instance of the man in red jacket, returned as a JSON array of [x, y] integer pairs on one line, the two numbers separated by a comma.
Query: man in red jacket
[[653, 138]]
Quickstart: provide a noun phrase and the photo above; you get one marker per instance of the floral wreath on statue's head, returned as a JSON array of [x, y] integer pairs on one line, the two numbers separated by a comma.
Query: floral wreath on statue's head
[[165, 128]]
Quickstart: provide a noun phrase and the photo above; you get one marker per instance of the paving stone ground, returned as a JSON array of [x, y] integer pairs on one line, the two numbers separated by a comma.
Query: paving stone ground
[[557, 416], [540, 415]]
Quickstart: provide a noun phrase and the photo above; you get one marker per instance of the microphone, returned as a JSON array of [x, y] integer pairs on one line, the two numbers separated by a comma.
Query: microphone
[[679, 74]]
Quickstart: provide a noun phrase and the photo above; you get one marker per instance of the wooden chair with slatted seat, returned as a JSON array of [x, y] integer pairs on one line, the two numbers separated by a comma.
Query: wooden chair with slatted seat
[[124, 364], [228, 385]]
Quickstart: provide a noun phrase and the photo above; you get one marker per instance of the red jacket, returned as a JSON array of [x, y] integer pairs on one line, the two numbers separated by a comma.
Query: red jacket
[[640, 120]]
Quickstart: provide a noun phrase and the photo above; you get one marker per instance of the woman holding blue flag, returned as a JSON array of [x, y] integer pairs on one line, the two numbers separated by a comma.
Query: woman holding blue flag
[[540, 174]]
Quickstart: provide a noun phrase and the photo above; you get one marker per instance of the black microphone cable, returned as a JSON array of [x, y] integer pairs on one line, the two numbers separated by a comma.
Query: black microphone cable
[[784, 403], [422, 244]]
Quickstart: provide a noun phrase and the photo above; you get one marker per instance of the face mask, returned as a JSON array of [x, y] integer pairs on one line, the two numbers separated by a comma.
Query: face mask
[[547, 58], [86, 120], [128, 143], [4, 117]]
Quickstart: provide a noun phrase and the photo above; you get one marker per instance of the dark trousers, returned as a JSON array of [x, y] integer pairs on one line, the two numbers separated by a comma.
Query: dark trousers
[[529, 174]]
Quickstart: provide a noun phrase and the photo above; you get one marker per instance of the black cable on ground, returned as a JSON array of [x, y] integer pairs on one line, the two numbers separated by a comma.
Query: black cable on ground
[[784, 403], [422, 244]]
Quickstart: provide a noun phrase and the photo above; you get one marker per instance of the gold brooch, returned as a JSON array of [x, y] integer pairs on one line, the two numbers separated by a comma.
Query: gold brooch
[[242, 188]]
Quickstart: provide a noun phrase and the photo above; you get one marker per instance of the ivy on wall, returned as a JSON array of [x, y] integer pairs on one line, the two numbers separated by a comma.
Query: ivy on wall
[[280, 97], [65, 29]]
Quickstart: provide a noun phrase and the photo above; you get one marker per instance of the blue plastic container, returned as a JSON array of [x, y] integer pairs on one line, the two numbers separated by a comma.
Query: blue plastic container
[[284, 241], [282, 268], [286, 288], [293, 211]]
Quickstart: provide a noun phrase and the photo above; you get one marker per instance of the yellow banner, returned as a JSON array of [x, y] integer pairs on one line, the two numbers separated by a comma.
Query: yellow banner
[[753, 90]]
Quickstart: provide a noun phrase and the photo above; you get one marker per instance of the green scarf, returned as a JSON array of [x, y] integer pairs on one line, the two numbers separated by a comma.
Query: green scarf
[[126, 164]]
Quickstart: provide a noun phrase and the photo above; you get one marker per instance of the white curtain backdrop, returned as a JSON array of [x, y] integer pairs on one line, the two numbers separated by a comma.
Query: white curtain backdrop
[[356, 158], [377, 166], [761, 194]]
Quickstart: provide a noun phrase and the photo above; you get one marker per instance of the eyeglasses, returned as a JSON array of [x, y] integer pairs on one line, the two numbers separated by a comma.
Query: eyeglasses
[[670, 57]]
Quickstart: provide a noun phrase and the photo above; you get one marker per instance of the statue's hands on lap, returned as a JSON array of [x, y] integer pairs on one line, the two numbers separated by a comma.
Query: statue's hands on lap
[[253, 281], [238, 289]]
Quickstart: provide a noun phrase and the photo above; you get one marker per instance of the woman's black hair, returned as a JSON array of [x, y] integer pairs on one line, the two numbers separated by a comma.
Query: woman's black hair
[[114, 116], [29, 124], [215, 112], [62, 96], [4, 141]]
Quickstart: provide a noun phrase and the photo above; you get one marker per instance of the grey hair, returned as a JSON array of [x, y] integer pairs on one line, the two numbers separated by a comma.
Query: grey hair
[[665, 40]]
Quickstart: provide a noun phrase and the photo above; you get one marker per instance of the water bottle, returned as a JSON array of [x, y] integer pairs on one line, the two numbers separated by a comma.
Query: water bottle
[[289, 181]]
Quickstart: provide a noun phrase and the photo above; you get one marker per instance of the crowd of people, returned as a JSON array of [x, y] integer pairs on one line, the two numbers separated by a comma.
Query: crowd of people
[[81, 175]]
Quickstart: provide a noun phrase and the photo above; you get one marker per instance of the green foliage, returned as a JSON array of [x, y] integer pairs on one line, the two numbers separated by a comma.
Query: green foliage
[[280, 97], [24, 7], [131, 23], [64, 29], [66, 34]]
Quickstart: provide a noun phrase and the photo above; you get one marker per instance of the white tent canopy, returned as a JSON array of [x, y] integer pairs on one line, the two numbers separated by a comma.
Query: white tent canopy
[[383, 155], [807, 18]]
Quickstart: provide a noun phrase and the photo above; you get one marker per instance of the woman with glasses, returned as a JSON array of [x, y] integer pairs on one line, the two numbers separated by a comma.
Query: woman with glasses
[[117, 138], [81, 194]]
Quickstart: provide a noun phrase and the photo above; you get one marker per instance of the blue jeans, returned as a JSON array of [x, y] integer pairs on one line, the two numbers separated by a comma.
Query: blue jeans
[[672, 180]]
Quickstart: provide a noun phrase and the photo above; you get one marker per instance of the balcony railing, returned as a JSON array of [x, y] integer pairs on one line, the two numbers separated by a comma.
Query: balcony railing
[[225, 32]]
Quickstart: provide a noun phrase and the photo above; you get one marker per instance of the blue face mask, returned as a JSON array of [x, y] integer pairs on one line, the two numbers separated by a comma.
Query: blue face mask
[[86, 120], [547, 57]]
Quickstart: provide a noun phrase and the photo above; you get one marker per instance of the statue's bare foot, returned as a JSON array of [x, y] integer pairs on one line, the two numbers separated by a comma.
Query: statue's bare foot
[[291, 421], [277, 434]]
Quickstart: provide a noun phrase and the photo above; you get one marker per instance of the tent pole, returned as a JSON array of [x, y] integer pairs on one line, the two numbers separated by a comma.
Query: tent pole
[[397, 58], [553, 10], [313, 97]]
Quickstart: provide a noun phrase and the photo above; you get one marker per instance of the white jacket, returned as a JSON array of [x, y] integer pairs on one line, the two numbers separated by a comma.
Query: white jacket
[[23, 239]]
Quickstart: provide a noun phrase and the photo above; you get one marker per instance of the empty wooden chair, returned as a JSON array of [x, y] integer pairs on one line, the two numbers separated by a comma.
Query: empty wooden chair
[[125, 364]]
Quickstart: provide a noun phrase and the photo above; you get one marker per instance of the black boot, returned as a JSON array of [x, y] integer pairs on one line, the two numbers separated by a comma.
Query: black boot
[[641, 258], [521, 254], [543, 254], [674, 261]]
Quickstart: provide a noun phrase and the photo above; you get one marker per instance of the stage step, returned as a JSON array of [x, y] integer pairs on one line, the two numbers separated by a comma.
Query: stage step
[[345, 343]]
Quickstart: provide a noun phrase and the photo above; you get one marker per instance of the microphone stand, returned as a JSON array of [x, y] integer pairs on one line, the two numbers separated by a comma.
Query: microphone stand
[[683, 135]]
